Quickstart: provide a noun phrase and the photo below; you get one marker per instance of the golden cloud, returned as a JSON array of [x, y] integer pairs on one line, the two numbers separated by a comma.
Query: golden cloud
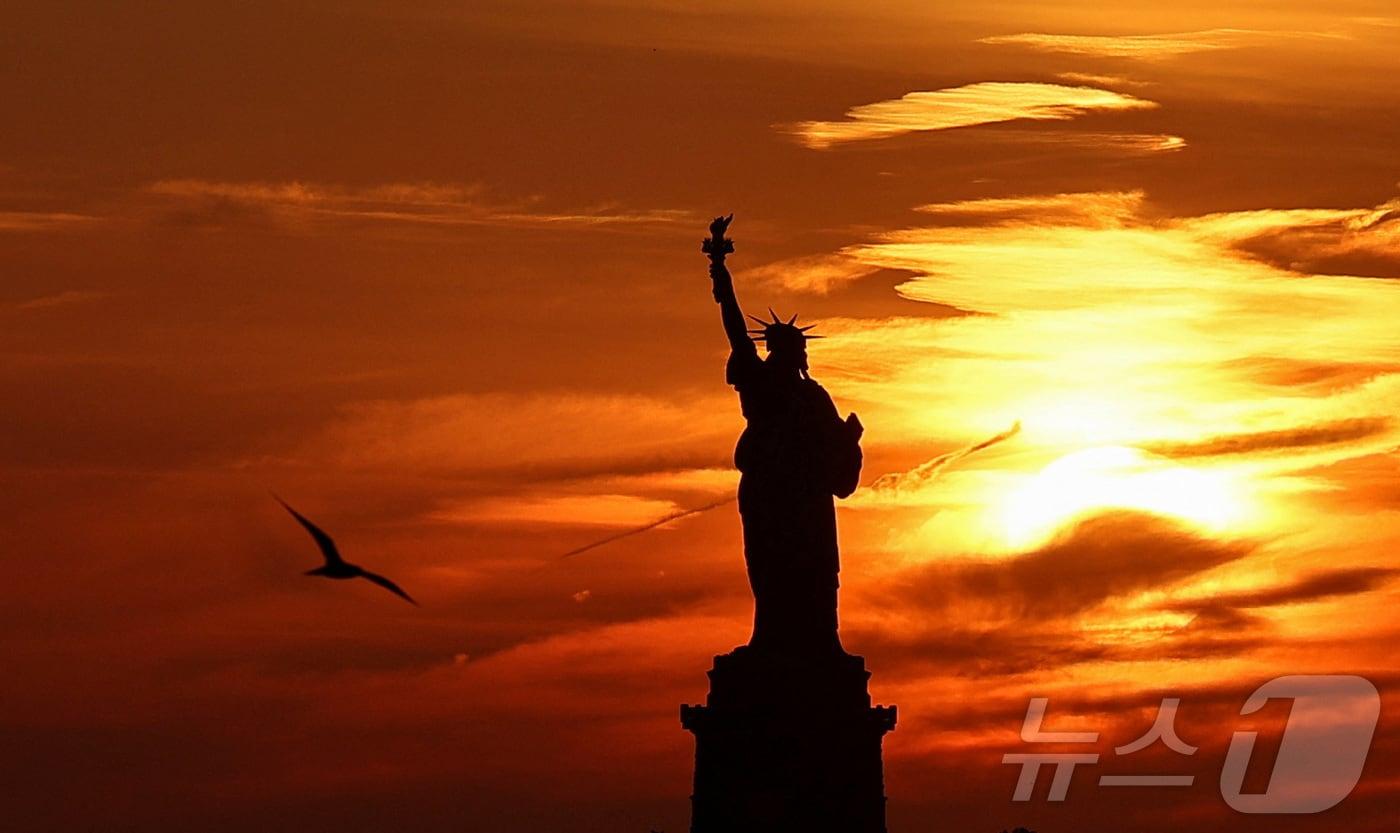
[[987, 102], [1100, 325], [1146, 46]]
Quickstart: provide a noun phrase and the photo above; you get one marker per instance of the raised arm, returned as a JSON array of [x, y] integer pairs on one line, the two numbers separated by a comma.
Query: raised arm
[[717, 246], [729, 312]]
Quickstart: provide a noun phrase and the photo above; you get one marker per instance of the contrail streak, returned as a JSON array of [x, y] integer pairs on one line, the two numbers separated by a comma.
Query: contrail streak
[[921, 474], [674, 516], [927, 472]]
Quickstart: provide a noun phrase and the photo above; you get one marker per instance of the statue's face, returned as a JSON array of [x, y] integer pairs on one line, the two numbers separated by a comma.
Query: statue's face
[[787, 354]]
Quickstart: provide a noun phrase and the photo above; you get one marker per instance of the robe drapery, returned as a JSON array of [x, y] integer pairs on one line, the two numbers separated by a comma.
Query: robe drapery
[[794, 456]]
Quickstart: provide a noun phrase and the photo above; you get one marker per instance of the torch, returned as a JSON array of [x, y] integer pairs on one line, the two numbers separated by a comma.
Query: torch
[[717, 245]]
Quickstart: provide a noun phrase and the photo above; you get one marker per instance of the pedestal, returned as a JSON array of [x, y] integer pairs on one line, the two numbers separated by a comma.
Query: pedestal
[[786, 744]]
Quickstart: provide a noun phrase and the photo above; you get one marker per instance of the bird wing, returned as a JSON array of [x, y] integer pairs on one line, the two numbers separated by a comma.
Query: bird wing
[[328, 548], [387, 585]]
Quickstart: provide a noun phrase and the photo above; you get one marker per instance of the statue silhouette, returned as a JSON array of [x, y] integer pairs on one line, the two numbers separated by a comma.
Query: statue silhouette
[[787, 740], [795, 455]]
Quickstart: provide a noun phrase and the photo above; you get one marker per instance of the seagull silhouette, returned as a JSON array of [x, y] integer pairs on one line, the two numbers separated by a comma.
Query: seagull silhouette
[[335, 566]]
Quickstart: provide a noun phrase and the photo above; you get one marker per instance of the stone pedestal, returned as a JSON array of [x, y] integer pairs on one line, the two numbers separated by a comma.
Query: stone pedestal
[[788, 744]]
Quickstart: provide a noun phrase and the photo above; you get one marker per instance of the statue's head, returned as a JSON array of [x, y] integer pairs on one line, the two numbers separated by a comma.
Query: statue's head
[[786, 342]]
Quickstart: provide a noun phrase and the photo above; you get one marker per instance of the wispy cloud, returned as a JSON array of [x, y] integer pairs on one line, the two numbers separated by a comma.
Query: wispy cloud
[[1325, 584], [1099, 80], [818, 274], [983, 103], [22, 221], [1077, 570], [1362, 241], [1100, 142], [66, 298], [634, 435], [1286, 440], [204, 202], [1100, 209], [1147, 46]]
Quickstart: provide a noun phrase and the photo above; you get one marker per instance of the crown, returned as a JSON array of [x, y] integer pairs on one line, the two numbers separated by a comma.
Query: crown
[[778, 329]]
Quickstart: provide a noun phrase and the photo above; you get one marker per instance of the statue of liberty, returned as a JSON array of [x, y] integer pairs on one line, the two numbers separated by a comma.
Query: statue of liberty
[[787, 738], [795, 455]]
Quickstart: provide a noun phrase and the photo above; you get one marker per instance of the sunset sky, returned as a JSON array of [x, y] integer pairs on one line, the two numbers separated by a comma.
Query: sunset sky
[[430, 271]]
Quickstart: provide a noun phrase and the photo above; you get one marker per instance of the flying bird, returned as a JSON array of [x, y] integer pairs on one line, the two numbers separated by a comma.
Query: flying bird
[[335, 566]]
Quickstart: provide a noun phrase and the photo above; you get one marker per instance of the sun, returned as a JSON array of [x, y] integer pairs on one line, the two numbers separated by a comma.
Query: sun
[[1117, 477]]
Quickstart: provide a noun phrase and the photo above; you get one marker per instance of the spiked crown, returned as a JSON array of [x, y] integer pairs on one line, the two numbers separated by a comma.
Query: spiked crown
[[779, 331]]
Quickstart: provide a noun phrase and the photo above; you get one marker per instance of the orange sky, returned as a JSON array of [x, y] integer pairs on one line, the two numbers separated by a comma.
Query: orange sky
[[431, 272]]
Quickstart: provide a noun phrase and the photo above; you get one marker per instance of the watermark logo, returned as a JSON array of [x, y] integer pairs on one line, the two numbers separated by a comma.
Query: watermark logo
[[1324, 747], [1323, 750]]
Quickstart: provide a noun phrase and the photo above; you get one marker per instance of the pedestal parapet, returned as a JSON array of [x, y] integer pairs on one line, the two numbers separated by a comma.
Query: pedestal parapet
[[788, 743]]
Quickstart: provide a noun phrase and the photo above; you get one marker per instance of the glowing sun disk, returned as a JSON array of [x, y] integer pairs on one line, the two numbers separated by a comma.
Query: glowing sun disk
[[1115, 477]]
